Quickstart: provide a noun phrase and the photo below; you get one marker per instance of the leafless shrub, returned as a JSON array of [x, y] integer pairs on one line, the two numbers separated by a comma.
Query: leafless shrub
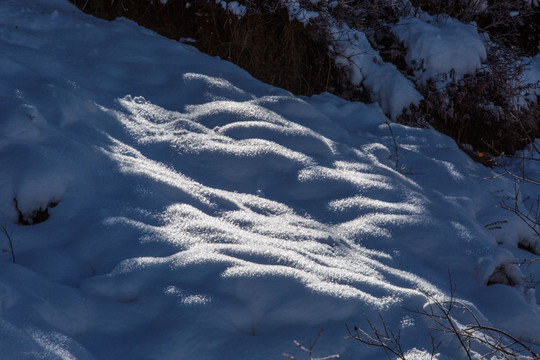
[[512, 24], [485, 110], [385, 338], [396, 154], [496, 342], [530, 155], [525, 207], [464, 10], [370, 14], [529, 214], [474, 338], [309, 350]]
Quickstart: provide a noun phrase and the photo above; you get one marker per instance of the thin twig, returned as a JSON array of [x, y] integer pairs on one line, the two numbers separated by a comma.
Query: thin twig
[[483, 334], [387, 341], [396, 153], [8, 236], [309, 351]]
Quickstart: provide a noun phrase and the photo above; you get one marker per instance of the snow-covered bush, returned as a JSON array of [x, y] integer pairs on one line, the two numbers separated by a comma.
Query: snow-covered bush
[[482, 97], [482, 111], [34, 216], [512, 23]]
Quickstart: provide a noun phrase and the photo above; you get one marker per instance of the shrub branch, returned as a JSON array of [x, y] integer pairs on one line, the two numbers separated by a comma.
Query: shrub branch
[[498, 342], [8, 234], [309, 350], [385, 339]]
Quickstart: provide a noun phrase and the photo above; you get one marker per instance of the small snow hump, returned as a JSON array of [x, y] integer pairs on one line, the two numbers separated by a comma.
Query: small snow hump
[[34, 217]]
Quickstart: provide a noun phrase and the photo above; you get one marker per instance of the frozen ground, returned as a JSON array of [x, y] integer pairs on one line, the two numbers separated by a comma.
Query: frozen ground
[[202, 214]]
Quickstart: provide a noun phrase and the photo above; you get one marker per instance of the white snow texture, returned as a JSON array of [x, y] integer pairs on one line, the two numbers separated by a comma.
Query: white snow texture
[[203, 214]]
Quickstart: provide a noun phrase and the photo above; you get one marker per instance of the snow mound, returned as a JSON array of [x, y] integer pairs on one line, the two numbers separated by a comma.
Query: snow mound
[[440, 45], [393, 91]]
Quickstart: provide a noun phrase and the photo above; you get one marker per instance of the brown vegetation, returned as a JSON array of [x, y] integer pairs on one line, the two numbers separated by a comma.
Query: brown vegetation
[[264, 41]]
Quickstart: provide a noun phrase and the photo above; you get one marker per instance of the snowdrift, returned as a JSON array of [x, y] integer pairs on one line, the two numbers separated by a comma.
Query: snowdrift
[[196, 213]]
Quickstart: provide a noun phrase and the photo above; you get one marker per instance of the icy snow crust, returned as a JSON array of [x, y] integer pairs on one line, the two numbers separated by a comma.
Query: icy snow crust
[[205, 215]]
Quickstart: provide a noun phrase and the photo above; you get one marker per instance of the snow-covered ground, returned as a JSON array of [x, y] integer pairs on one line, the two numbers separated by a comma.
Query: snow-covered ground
[[202, 214]]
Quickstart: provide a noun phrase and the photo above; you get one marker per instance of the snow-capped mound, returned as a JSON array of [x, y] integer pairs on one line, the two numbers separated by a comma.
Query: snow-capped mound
[[393, 91], [438, 46]]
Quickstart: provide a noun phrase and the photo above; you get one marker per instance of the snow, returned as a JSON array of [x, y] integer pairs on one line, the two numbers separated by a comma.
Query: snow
[[531, 76], [203, 214], [440, 45], [393, 91], [297, 12], [233, 7]]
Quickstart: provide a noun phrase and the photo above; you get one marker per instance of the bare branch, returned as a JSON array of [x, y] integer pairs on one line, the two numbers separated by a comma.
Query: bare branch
[[309, 350], [7, 234], [388, 341], [498, 341]]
